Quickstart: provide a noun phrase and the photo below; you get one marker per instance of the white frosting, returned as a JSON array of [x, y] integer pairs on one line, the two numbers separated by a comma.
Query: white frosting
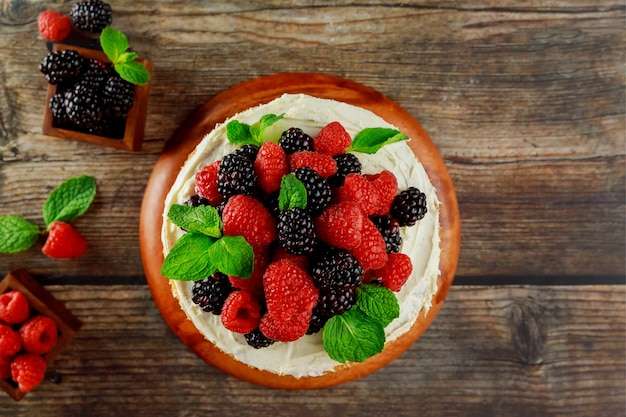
[[306, 356]]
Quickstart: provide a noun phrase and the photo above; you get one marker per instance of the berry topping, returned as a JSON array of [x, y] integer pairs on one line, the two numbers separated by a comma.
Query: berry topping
[[10, 342], [61, 66], [91, 15], [28, 371], [270, 165], [389, 228], [246, 216], [248, 151], [206, 183], [409, 206], [64, 242], [296, 231], [196, 200], [288, 330], [372, 252], [14, 307], [335, 269], [39, 334], [347, 163], [387, 186], [241, 312], [294, 140], [358, 189], [396, 271], [300, 261], [254, 284], [332, 139], [53, 26], [236, 176], [323, 164], [340, 225], [289, 291], [336, 302], [318, 191], [211, 293], [258, 340]]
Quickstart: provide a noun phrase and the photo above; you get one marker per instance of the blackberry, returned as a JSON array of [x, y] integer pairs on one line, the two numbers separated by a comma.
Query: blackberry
[[84, 107], [258, 340], [336, 268], [236, 175], [318, 190], [91, 15], [61, 66], [57, 107], [347, 163], [247, 151], [333, 303], [296, 231], [318, 320], [95, 73], [119, 96], [409, 206], [294, 140], [211, 293], [197, 200], [390, 229]]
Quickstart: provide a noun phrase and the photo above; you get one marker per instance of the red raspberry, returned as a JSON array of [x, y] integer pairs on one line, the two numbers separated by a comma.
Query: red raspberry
[[28, 371], [10, 342], [64, 242], [358, 189], [254, 284], [289, 290], [301, 261], [270, 165], [53, 26], [323, 164], [39, 334], [396, 271], [206, 183], [246, 216], [332, 139], [372, 252], [286, 330], [5, 367], [387, 186], [340, 225], [241, 312], [14, 307]]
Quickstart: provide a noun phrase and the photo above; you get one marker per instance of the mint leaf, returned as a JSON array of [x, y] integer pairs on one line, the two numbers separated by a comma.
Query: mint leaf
[[16, 234], [114, 43], [378, 303], [202, 219], [127, 57], [352, 337], [134, 72], [232, 255], [189, 259], [239, 134], [292, 193], [370, 140], [265, 122], [69, 200]]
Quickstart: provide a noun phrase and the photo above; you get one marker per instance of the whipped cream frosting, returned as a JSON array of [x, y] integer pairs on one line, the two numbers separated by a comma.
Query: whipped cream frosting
[[306, 356]]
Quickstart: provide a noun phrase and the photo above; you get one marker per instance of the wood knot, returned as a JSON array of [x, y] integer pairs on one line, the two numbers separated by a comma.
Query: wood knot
[[528, 333], [18, 12]]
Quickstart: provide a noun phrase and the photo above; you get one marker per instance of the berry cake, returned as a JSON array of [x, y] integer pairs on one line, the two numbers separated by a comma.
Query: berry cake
[[322, 231]]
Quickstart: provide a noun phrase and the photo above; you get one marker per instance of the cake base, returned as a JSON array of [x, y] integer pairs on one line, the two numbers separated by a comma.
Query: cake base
[[239, 98]]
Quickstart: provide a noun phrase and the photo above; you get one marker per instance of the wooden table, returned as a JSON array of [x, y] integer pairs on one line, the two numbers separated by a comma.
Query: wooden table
[[525, 101]]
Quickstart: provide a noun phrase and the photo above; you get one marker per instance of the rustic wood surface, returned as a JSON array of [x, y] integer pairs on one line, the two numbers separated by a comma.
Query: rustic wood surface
[[525, 101]]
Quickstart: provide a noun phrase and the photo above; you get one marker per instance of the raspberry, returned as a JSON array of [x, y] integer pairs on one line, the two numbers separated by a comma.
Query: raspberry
[[5, 367], [372, 252], [64, 242], [236, 176], [10, 342], [211, 293], [332, 139], [323, 164], [336, 268], [241, 312], [254, 284], [387, 186], [206, 183], [39, 334], [14, 307], [288, 330], [289, 291], [53, 26], [294, 140], [409, 206], [358, 189], [258, 340], [389, 228], [270, 165], [61, 66], [28, 370], [296, 231], [318, 192], [246, 216], [347, 163], [300, 261], [340, 225], [396, 271], [91, 15]]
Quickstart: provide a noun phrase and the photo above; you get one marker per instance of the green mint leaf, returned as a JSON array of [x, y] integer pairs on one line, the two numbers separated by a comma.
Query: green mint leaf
[[370, 140], [240, 134], [69, 200], [16, 234], [292, 193], [352, 337], [265, 122], [189, 259], [232, 255], [202, 219], [114, 43], [127, 57], [134, 72], [378, 303]]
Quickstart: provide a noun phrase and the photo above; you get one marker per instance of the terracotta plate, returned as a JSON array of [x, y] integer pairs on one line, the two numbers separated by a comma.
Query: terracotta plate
[[241, 97]]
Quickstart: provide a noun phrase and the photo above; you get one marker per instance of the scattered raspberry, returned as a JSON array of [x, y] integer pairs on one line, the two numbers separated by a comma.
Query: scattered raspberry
[[332, 139], [396, 271], [372, 252], [241, 312], [206, 183], [289, 291], [5, 367], [323, 164], [301, 261], [387, 186], [64, 242], [28, 371], [246, 216], [53, 26], [270, 165], [14, 307], [254, 284], [358, 189], [39, 334], [340, 225], [10, 342], [285, 330]]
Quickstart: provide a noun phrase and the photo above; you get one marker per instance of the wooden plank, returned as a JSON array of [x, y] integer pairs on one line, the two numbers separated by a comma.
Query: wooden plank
[[515, 351]]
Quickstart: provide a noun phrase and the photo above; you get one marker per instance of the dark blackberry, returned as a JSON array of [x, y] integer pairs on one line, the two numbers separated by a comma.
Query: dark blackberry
[[61, 66], [236, 175], [318, 190], [197, 200], [211, 293], [91, 15], [409, 206], [336, 268], [84, 107], [119, 96], [296, 231], [333, 303], [390, 229], [57, 107], [294, 140], [95, 73], [247, 151], [347, 163], [317, 322], [258, 340]]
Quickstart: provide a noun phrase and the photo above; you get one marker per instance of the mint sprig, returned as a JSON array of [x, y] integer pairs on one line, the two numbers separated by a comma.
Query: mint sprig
[[292, 193], [244, 134], [17, 234], [115, 45], [371, 139]]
